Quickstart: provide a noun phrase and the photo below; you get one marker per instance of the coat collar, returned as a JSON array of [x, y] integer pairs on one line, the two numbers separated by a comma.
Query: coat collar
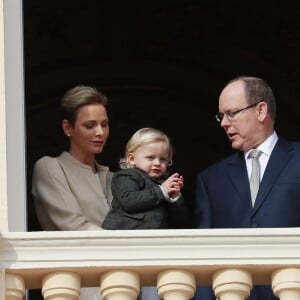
[[237, 172], [279, 158]]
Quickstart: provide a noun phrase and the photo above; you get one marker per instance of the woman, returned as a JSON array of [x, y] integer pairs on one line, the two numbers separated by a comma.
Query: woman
[[73, 191]]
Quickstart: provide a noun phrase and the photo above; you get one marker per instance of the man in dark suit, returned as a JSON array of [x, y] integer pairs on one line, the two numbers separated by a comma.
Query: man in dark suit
[[247, 111]]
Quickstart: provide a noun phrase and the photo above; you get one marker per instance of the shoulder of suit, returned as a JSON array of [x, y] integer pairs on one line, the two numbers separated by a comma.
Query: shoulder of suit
[[288, 145], [220, 164], [45, 166], [46, 160]]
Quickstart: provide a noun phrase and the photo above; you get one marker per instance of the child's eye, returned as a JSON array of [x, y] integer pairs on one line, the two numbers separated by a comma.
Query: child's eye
[[163, 160], [149, 157]]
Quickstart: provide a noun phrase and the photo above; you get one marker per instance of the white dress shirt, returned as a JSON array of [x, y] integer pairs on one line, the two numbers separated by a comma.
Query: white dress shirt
[[266, 148]]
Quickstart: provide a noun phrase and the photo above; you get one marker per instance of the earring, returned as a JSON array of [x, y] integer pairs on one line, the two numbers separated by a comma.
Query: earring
[[68, 134]]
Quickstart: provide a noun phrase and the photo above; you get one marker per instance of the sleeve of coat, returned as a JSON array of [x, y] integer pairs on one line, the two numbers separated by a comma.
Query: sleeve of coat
[[134, 193], [202, 205], [56, 206]]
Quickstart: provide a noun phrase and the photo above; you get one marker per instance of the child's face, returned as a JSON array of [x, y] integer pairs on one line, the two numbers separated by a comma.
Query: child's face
[[152, 158]]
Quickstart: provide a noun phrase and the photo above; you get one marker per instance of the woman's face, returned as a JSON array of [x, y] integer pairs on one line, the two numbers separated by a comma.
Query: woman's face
[[90, 131]]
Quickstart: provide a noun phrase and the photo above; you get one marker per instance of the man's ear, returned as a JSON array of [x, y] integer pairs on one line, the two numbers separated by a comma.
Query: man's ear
[[262, 109], [67, 128]]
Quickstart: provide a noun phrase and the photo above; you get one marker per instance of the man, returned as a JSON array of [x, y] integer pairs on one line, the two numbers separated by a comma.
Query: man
[[247, 111]]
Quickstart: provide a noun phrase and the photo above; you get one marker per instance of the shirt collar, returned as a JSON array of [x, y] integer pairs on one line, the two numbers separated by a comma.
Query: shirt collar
[[267, 146]]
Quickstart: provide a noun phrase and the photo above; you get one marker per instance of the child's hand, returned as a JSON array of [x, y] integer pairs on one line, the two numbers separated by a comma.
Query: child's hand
[[173, 185]]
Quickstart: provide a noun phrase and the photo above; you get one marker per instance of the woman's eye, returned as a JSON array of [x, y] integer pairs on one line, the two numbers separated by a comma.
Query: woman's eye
[[89, 125]]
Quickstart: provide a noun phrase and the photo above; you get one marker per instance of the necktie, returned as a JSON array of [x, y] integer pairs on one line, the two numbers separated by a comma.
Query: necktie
[[255, 174]]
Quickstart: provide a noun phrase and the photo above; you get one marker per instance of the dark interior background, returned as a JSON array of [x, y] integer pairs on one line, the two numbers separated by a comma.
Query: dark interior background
[[161, 63]]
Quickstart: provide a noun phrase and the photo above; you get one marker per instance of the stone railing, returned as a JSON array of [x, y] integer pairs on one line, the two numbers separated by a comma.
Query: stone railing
[[176, 261]]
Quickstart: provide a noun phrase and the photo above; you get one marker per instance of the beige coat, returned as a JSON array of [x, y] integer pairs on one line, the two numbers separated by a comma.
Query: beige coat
[[68, 195]]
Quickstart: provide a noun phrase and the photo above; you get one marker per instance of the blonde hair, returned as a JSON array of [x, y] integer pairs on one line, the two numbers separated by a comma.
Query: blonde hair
[[145, 136]]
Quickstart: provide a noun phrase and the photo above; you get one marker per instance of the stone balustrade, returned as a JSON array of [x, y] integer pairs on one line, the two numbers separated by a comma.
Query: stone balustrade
[[175, 261]]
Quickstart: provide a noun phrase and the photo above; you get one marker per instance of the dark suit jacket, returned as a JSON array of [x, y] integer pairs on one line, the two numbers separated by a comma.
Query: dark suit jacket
[[138, 203], [223, 196], [223, 192]]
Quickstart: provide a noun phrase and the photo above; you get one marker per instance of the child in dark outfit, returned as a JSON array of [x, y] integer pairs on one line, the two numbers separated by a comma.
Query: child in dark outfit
[[143, 196]]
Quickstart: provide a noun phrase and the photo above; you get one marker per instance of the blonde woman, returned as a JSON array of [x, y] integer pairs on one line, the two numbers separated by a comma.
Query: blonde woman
[[73, 191]]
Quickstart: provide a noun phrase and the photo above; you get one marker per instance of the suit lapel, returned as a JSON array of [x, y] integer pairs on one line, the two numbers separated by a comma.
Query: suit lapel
[[280, 157], [237, 172]]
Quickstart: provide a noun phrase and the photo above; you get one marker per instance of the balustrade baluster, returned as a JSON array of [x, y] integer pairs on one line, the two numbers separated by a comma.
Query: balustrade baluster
[[61, 286], [116, 285], [286, 283], [176, 284], [232, 284], [15, 287]]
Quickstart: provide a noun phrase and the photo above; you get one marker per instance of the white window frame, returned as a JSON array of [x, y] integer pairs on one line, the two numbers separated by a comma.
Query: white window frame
[[15, 115]]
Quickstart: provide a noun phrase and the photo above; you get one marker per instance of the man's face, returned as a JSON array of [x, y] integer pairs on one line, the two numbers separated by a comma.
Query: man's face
[[240, 120]]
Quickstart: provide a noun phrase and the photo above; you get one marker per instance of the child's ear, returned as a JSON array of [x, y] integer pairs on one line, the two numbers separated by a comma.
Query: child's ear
[[130, 158]]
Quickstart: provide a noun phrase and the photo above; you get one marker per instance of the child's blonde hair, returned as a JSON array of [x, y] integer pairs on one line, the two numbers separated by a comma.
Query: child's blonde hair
[[146, 136]]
